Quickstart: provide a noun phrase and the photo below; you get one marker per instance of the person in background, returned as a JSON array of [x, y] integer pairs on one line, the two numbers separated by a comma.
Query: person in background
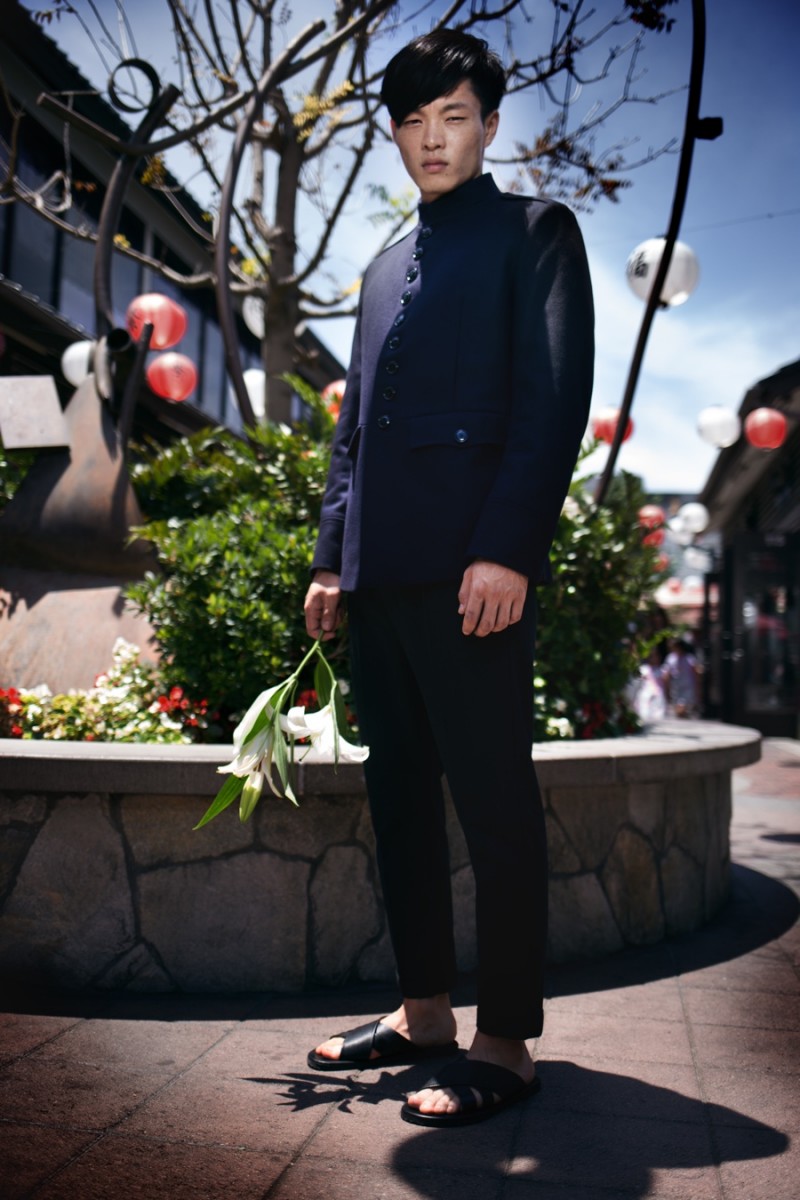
[[680, 678]]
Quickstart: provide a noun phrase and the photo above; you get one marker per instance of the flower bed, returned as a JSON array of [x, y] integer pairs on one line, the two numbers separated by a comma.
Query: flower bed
[[104, 883]]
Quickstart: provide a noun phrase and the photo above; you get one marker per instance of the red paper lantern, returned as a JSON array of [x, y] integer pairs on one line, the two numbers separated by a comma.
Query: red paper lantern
[[654, 538], [173, 376], [604, 425], [651, 516], [765, 428], [332, 397], [168, 319]]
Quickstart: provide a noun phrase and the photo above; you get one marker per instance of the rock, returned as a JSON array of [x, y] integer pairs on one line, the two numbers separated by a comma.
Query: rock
[[687, 825], [646, 811], [376, 962], [682, 885], [590, 820], [581, 922], [310, 828], [344, 913], [561, 856], [630, 881], [22, 810], [233, 925], [136, 971], [70, 911], [159, 830]]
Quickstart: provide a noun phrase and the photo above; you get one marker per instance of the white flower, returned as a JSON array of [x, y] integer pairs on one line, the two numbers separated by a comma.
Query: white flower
[[559, 727], [320, 729], [254, 752]]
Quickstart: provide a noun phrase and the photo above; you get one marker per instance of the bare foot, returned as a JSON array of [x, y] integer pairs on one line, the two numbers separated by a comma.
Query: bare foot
[[428, 1022], [501, 1052]]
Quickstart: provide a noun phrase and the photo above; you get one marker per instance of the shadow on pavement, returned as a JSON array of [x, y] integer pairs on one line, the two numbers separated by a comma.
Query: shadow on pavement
[[758, 911], [593, 1132]]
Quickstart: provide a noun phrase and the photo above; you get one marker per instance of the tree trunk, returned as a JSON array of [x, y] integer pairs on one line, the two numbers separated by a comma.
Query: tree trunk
[[279, 354]]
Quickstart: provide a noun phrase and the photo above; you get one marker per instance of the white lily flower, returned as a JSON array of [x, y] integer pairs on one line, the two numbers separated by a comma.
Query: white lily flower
[[254, 753], [320, 729]]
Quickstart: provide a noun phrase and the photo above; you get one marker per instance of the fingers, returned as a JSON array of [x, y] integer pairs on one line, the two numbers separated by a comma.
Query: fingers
[[491, 598], [323, 611]]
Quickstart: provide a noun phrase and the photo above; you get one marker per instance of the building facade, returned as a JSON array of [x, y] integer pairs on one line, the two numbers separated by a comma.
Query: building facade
[[752, 634]]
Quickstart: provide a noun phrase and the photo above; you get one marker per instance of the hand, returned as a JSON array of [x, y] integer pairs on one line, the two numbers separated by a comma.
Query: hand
[[491, 597], [323, 605]]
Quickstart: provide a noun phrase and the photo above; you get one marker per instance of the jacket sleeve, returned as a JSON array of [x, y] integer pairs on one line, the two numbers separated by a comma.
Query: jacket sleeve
[[551, 373], [328, 551]]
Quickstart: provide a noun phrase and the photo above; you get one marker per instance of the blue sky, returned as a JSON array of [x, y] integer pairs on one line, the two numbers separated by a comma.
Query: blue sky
[[743, 322]]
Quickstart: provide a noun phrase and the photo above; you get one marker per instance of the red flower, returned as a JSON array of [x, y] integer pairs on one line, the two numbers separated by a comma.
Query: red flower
[[16, 731]]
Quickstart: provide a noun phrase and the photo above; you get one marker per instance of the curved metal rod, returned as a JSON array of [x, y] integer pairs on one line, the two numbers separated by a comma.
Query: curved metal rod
[[678, 203], [112, 207], [225, 313]]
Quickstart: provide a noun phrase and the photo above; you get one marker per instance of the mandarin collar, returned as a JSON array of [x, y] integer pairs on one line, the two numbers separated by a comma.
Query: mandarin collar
[[452, 204]]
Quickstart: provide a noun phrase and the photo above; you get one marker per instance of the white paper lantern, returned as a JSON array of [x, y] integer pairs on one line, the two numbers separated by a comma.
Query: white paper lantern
[[696, 559], [679, 533], [719, 425], [255, 380], [694, 517], [682, 276], [253, 315], [76, 362]]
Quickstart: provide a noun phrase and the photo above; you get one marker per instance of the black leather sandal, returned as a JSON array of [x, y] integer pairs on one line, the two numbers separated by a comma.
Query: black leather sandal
[[497, 1089], [356, 1051]]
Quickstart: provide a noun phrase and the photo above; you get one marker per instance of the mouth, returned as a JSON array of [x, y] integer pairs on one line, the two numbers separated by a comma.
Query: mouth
[[434, 165]]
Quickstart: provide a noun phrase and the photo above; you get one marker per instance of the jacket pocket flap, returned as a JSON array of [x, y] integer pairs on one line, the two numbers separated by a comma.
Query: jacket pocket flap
[[457, 429]]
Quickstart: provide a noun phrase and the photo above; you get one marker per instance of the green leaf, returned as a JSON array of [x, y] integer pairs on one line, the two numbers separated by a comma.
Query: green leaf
[[225, 797], [323, 681]]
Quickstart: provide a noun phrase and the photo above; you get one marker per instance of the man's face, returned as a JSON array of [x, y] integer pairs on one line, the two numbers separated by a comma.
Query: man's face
[[442, 143]]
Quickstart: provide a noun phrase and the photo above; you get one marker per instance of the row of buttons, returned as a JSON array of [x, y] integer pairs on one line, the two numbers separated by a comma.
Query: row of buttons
[[392, 366]]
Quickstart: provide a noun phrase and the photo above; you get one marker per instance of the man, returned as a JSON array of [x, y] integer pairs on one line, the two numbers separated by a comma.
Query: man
[[466, 400]]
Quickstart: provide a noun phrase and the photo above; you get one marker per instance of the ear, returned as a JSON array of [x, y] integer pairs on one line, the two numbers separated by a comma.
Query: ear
[[393, 130], [490, 128]]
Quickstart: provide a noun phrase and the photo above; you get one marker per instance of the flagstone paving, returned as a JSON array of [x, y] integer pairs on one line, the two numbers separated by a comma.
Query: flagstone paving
[[667, 1071]]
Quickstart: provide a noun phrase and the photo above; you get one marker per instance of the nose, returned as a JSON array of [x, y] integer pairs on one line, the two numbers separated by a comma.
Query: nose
[[434, 136]]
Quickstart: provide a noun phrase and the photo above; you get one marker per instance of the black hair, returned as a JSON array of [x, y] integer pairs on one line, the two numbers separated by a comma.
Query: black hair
[[434, 65]]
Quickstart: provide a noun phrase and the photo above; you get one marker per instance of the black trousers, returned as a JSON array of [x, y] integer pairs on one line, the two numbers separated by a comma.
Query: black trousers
[[432, 701]]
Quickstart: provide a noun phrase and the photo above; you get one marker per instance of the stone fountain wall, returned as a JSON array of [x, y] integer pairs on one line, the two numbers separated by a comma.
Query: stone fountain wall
[[104, 883]]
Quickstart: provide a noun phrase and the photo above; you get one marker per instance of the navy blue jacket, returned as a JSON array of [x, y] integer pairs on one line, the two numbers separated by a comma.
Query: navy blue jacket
[[467, 395]]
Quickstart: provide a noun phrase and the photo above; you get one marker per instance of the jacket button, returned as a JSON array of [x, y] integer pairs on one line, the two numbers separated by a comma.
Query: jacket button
[[399, 319], [405, 298], [461, 436], [393, 342], [389, 393], [418, 253], [384, 422], [426, 231], [411, 274], [392, 367]]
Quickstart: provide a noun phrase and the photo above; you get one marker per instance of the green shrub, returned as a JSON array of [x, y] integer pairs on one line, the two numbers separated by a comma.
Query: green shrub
[[234, 525], [593, 619]]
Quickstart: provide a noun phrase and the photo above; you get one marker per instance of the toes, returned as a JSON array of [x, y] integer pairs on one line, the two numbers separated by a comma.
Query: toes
[[330, 1049]]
